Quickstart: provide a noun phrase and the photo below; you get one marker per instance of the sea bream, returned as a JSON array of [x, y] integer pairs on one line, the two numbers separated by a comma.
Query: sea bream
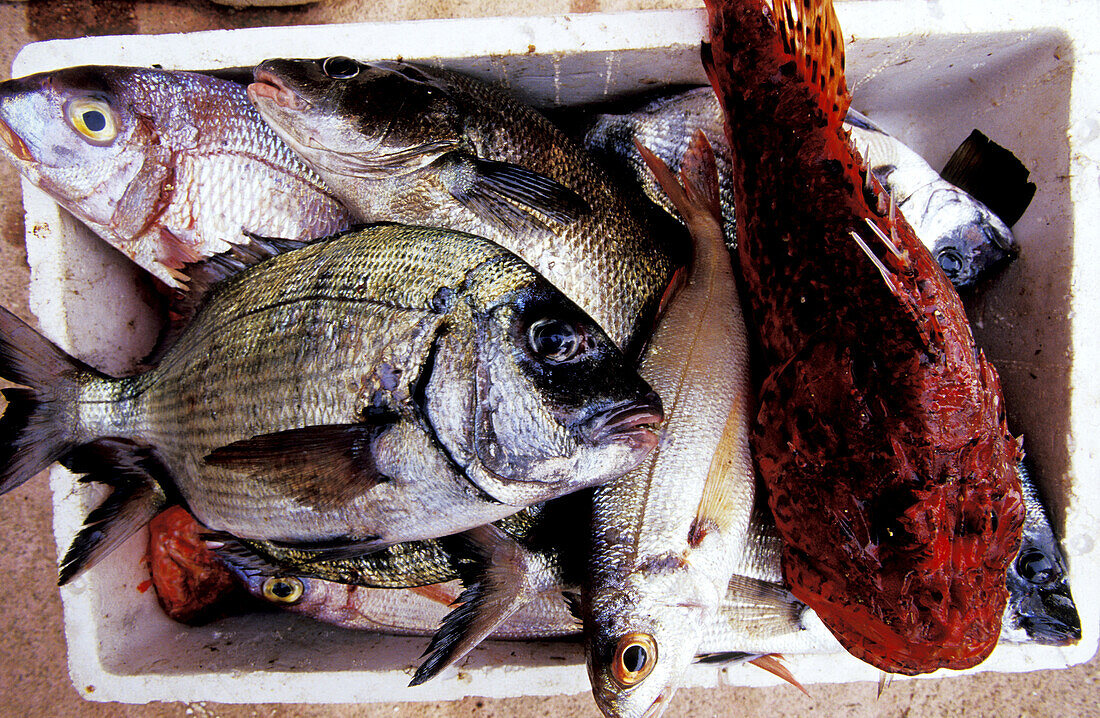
[[969, 241], [388, 384], [881, 432], [429, 146], [167, 166], [666, 537]]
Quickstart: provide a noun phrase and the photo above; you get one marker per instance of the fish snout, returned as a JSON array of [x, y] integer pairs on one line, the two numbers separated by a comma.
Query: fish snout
[[270, 87], [631, 422]]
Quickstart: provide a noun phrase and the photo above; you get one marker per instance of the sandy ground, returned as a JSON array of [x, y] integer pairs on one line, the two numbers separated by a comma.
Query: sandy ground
[[34, 679]]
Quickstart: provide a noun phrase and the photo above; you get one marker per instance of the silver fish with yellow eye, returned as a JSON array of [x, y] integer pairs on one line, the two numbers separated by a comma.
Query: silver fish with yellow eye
[[665, 537], [168, 167], [388, 384]]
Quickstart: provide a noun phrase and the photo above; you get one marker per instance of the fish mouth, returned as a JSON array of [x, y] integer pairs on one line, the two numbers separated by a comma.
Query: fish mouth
[[633, 423], [270, 87], [15, 143]]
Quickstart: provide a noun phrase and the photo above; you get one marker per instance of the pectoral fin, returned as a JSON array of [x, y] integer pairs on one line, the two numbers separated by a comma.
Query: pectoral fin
[[509, 195], [323, 467]]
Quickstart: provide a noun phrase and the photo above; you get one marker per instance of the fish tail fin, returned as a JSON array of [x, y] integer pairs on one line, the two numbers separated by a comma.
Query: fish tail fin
[[136, 497], [696, 199], [33, 431]]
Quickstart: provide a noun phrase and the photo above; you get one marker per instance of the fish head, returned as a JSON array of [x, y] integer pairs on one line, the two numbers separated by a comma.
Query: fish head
[[533, 400], [1040, 607], [356, 119], [967, 239], [640, 641], [79, 134]]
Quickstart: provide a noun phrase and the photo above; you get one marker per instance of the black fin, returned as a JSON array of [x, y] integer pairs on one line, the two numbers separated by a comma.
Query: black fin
[[573, 603], [337, 549], [732, 657], [33, 432], [203, 275], [239, 557], [992, 175], [321, 466], [510, 195], [131, 470], [497, 589]]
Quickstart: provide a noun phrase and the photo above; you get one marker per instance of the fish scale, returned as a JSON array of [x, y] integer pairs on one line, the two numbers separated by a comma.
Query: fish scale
[[451, 133], [387, 384], [191, 166]]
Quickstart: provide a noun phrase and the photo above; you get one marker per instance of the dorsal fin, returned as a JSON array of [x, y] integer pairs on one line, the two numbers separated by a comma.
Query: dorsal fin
[[200, 278], [811, 34]]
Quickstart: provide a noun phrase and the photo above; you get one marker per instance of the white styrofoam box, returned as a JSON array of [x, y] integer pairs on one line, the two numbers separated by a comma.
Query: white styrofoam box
[[929, 72]]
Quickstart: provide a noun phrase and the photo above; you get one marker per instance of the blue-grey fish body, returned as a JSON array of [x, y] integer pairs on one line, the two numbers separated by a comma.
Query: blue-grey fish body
[[424, 145], [967, 239]]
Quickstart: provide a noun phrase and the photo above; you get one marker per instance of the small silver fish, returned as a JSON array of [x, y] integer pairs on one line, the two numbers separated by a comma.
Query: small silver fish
[[968, 240], [168, 167], [389, 384]]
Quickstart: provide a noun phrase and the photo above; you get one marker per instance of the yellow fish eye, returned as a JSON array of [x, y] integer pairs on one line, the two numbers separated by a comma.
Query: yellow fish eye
[[635, 657], [93, 119], [286, 590]]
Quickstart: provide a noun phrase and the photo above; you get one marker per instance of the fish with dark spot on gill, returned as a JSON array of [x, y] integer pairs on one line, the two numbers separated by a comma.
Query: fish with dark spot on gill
[[167, 166], [428, 146], [388, 384], [881, 432]]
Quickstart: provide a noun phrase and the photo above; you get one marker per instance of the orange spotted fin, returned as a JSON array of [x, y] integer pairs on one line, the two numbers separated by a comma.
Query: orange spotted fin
[[772, 663], [811, 34]]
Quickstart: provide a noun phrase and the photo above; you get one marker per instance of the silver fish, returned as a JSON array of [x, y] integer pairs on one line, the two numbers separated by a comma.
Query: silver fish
[[428, 146], [666, 536], [1040, 606], [168, 167], [968, 240], [388, 384]]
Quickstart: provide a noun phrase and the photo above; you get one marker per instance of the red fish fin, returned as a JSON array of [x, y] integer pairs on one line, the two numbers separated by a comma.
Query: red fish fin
[[679, 278], [772, 663], [697, 197], [438, 592], [811, 34]]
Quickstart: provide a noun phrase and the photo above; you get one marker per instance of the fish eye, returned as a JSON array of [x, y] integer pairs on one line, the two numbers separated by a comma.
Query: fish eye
[[286, 590], [951, 263], [555, 341], [93, 119], [635, 657], [340, 67], [1036, 567]]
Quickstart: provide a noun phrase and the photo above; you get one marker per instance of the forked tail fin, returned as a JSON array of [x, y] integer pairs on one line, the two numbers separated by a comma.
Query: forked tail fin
[[36, 428]]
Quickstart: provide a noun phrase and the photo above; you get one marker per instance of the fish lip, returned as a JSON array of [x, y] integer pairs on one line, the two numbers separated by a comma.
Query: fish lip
[[270, 86], [14, 142], [631, 422]]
